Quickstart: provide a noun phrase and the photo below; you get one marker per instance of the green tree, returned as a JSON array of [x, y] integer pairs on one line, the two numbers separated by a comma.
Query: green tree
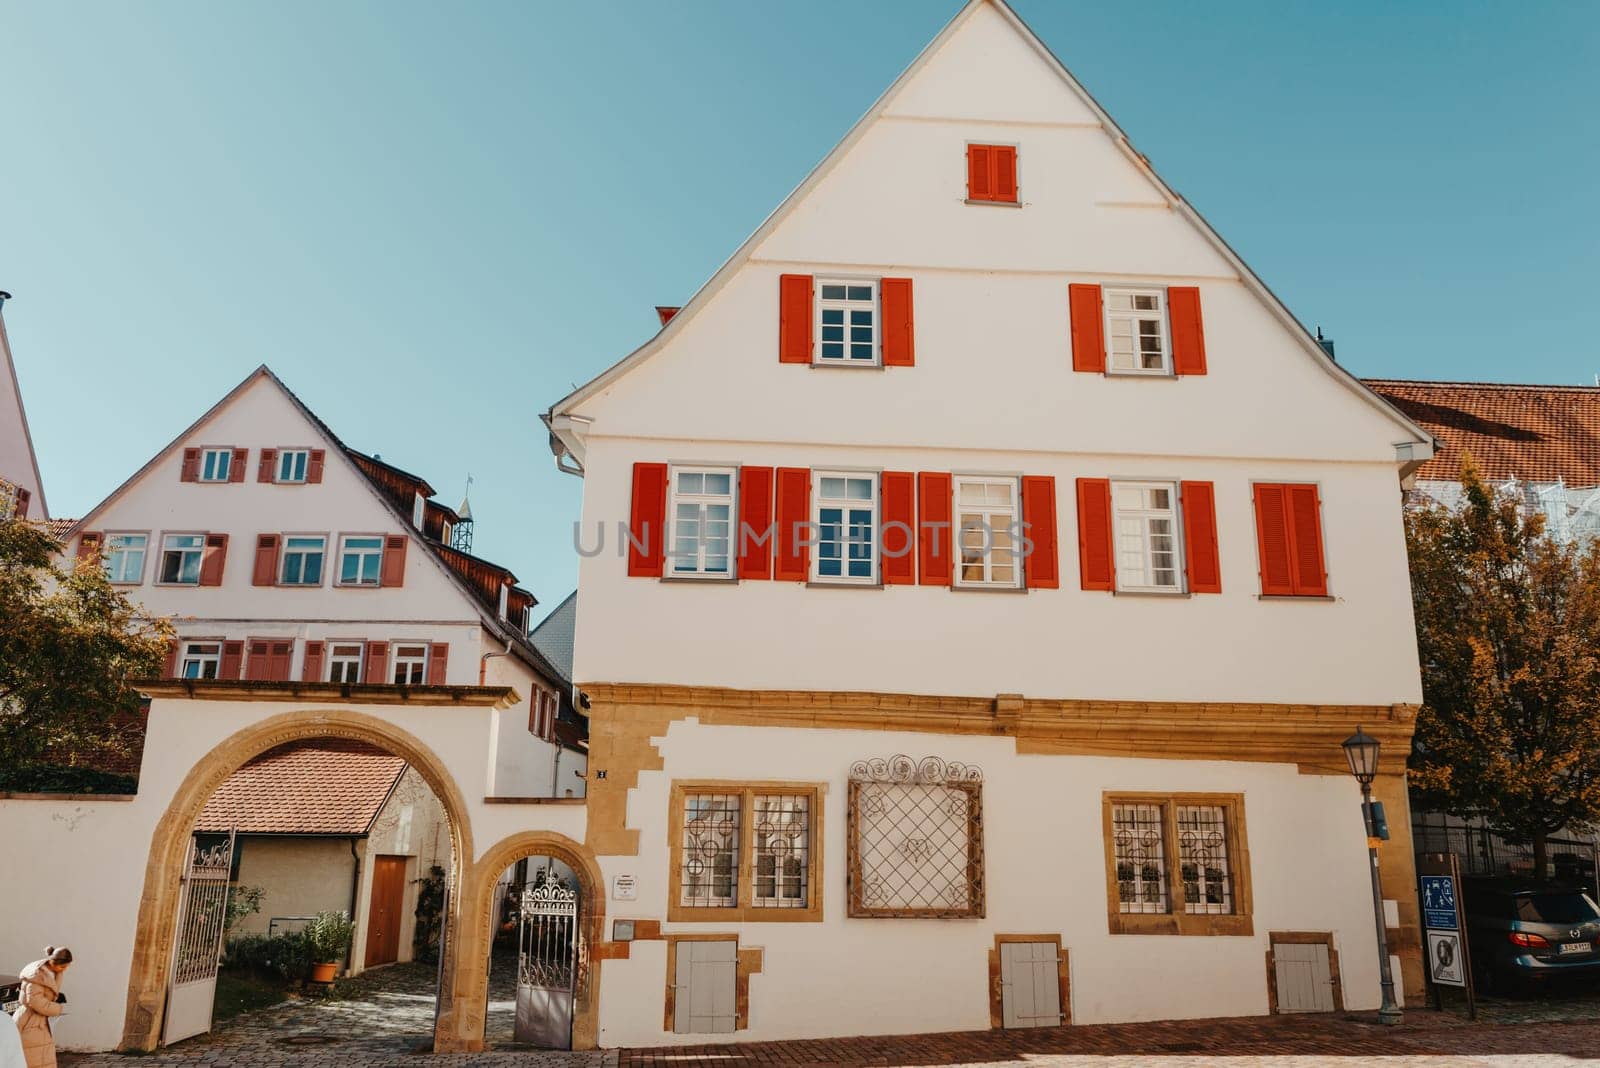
[[70, 646], [1508, 631]]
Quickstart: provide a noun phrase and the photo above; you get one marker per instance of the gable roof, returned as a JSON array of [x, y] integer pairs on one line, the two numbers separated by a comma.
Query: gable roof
[[555, 634], [332, 786], [1537, 433], [562, 424]]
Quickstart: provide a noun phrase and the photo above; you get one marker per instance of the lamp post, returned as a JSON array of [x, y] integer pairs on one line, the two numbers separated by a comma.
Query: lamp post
[[1361, 751]]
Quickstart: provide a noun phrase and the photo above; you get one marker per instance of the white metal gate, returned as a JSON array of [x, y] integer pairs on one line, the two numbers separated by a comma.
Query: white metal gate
[[547, 965], [197, 947]]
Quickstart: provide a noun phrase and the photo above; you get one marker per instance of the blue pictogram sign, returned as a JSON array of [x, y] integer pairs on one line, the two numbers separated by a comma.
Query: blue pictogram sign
[[1439, 902]]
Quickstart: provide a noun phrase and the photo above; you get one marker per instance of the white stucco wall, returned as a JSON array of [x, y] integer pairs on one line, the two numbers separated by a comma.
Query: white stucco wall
[[521, 764]]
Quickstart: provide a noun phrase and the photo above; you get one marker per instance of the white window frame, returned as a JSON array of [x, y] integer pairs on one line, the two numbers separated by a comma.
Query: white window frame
[[344, 548], [989, 513], [876, 302], [209, 461], [1145, 515], [334, 659], [703, 501], [1132, 318], [818, 502], [200, 651], [419, 510], [283, 460], [112, 549], [283, 560], [198, 550], [418, 664]]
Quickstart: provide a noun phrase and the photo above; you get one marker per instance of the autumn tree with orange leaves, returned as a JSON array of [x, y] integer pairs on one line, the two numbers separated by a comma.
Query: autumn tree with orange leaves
[[1508, 629]]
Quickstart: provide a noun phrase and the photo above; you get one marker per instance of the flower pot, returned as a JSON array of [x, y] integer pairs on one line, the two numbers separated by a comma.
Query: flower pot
[[323, 973]]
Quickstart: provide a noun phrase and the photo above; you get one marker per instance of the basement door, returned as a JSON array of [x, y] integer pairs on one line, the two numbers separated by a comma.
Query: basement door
[[1030, 984], [705, 988], [383, 917], [197, 945], [1304, 976]]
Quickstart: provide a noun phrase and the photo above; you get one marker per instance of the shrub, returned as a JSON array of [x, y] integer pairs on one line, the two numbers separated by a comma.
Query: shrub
[[330, 935], [287, 956], [65, 779]]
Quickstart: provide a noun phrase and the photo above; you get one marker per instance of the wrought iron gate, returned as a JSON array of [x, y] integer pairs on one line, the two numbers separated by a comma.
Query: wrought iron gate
[[197, 947], [548, 965]]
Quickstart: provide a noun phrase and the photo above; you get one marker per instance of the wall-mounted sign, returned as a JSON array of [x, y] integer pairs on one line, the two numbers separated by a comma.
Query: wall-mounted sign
[[623, 888]]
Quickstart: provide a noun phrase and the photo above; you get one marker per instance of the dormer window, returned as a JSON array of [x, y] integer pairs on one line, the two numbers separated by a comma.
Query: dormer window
[[419, 506], [505, 598]]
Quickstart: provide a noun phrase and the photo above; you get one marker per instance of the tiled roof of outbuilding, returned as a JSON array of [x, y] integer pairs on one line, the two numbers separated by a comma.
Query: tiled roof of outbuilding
[[331, 786]]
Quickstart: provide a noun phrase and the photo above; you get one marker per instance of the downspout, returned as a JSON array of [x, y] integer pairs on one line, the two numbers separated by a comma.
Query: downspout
[[483, 663], [355, 899], [555, 768]]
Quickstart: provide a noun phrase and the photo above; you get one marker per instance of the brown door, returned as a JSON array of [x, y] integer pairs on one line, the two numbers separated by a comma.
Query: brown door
[[388, 898]]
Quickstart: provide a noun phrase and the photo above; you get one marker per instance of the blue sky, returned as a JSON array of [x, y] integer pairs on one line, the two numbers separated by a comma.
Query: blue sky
[[434, 221]]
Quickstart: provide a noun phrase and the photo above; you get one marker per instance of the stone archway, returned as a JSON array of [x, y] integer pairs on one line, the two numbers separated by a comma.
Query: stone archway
[[476, 930], [158, 908]]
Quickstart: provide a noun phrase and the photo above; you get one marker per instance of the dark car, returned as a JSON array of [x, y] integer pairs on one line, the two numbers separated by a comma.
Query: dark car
[[1523, 933]]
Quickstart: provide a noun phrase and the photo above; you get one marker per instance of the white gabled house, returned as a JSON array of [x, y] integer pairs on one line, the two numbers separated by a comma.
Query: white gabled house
[[1084, 558], [21, 489]]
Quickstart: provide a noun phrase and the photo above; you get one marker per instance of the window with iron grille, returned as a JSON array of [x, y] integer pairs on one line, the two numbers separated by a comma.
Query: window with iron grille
[[916, 838], [780, 839], [745, 851], [1203, 858], [1140, 832], [1177, 864], [710, 850]]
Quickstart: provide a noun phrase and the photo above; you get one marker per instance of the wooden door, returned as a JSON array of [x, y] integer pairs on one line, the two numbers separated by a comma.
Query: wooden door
[[388, 899], [1030, 984], [1304, 976], [706, 983]]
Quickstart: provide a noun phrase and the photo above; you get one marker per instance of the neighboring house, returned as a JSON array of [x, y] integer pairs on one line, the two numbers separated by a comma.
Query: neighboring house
[[21, 490], [1085, 559], [332, 825], [283, 555], [554, 638], [1540, 442]]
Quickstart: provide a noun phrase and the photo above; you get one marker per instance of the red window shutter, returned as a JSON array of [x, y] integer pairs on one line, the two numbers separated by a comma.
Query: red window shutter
[[169, 670], [792, 510], [1088, 328], [279, 656], [392, 568], [213, 559], [266, 572], [1042, 566], [899, 334], [314, 465], [1097, 567], [22, 503], [897, 539], [1200, 560], [1005, 173], [191, 466], [1188, 335], [236, 466], [794, 318], [438, 663], [255, 664], [1272, 540], [264, 470], [756, 533], [89, 545], [232, 660], [311, 666], [935, 535], [377, 665], [647, 525], [1305, 529], [979, 169]]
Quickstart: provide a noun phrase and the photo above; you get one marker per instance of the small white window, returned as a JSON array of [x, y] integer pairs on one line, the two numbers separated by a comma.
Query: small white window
[[701, 532], [986, 510], [180, 559], [847, 321], [292, 464], [846, 518], [302, 560], [360, 560], [419, 509], [505, 599], [410, 665], [201, 660], [1136, 331], [344, 662], [215, 464], [123, 557], [1146, 524]]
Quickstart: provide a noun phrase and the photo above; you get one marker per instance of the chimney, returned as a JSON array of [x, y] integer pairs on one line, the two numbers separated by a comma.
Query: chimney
[[666, 313], [1327, 345]]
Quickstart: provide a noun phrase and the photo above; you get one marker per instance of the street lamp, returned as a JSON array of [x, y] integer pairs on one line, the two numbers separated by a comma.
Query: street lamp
[[1361, 751]]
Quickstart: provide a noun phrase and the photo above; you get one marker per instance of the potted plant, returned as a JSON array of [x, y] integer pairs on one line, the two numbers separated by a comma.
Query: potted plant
[[329, 936]]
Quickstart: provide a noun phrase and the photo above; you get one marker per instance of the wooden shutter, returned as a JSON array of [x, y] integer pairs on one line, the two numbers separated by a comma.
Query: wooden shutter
[[169, 669], [705, 987], [979, 184], [438, 663], [311, 666], [794, 318], [266, 571], [392, 567], [314, 465], [1004, 166], [792, 508], [236, 466], [191, 466], [1272, 540], [755, 523], [89, 545], [1041, 567], [1088, 328], [1305, 528], [232, 660], [280, 654], [992, 173], [899, 334], [212, 559], [376, 668], [935, 534], [23, 497], [647, 524], [264, 470], [255, 664], [897, 535], [1097, 569], [1201, 564], [1188, 335]]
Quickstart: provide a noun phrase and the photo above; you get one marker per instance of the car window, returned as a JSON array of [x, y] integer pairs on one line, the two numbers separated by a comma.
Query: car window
[[1488, 903], [1556, 908]]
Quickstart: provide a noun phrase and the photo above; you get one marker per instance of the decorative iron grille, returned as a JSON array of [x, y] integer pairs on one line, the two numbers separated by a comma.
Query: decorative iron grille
[[1203, 859], [711, 850], [1138, 835], [204, 912], [781, 836], [549, 950], [916, 838]]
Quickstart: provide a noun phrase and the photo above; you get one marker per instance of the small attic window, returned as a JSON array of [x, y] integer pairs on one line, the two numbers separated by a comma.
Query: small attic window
[[991, 174], [418, 507], [505, 598]]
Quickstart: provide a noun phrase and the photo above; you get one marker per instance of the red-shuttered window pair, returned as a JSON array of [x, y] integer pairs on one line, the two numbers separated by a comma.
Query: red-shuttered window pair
[[992, 173], [846, 322], [1289, 540], [213, 463], [1148, 536], [1137, 330]]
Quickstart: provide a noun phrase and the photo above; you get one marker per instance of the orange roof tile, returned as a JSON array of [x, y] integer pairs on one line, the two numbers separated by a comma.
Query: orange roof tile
[[325, 786]]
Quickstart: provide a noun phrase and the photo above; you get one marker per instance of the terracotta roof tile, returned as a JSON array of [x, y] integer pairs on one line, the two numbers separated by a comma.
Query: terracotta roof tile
[[1537, 433], [325, 786]]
